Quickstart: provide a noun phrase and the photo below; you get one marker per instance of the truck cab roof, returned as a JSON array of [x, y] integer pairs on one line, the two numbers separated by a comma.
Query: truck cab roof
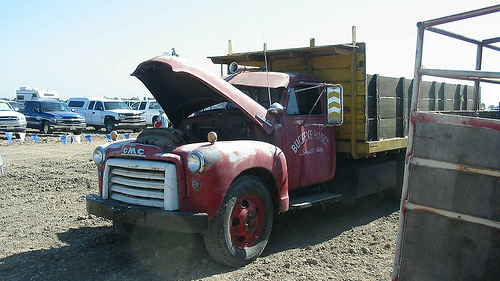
[[268, 79]]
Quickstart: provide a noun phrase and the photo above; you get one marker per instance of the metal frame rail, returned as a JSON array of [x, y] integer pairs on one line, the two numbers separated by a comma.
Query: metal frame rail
[[477, 76]]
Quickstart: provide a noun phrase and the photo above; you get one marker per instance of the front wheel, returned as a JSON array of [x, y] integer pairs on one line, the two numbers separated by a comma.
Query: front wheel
[[239, 232], [110, 126], [46, 127]]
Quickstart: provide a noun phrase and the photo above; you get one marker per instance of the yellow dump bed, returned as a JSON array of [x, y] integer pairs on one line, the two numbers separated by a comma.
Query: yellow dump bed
[[378, 105]]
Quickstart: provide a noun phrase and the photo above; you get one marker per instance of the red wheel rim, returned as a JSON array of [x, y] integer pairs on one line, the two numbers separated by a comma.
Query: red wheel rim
[[247, 221]]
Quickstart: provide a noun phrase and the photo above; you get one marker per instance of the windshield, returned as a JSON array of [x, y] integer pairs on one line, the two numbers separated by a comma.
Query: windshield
[[258, 94], [219, 106], [5, 106], [261, 95], [110, 105], [54, 106], [154, 105]]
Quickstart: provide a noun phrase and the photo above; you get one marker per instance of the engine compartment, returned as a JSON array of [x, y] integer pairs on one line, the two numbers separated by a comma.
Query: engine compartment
[[228, 123]]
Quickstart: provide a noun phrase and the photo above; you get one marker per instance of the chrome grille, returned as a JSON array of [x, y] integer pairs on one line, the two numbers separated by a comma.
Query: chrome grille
[[71, 120], [9, 118], [141, 182]]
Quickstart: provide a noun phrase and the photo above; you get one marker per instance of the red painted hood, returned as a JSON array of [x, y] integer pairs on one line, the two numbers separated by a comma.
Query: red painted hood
[[183, 88]]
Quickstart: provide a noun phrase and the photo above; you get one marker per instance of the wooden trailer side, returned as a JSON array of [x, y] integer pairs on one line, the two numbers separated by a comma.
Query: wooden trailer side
[[451, 212]]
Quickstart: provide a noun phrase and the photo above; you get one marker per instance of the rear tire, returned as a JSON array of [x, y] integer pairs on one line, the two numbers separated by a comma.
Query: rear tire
[[239, 232]]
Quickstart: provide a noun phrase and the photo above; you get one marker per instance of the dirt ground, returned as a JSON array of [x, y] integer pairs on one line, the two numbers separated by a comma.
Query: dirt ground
[[46, 234]]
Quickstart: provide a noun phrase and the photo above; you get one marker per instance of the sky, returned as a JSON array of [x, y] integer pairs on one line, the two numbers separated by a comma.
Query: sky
[[89, 48]]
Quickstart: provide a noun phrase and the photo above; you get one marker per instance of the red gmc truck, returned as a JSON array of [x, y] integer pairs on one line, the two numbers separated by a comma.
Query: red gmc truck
[[313, 128]]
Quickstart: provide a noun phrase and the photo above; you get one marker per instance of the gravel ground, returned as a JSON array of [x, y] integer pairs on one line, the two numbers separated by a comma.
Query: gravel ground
[[46, 234]]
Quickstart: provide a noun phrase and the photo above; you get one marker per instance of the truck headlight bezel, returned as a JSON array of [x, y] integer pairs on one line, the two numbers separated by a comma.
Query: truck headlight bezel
[[99, 155], [195, 162]]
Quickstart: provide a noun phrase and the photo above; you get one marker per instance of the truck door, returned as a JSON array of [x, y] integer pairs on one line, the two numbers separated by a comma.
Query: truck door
[[89, 113], [33, 116], [310, 142], [98, 113]]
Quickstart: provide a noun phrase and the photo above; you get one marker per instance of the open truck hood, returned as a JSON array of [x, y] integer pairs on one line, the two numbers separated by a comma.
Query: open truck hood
[[183, 88]]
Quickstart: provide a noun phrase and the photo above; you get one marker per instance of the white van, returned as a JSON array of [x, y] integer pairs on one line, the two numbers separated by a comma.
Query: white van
[[28, 93], [107, 113]]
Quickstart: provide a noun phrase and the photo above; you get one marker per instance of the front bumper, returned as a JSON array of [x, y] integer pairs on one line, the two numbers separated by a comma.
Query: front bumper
[[146, 216], [129, 125], [68, 127], [10, 127]]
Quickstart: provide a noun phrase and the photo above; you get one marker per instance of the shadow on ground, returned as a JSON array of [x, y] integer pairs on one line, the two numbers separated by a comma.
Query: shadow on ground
[[100, 253]]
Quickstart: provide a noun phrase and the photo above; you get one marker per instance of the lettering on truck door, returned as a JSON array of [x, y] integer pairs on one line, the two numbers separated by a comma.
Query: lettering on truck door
[[309, 144]]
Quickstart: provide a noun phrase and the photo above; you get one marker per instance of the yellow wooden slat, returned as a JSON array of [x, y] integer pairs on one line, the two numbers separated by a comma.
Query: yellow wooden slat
[[344, 131], [336, 61], [287, 63], [369, 148], [360, 119], [343, 74]]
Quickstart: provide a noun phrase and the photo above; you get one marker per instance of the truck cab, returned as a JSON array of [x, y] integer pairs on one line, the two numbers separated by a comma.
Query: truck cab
[[301, 128]]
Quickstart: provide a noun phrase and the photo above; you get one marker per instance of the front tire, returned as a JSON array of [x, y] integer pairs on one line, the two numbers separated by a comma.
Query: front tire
[[46, 127], [239, 232], [110, 125]]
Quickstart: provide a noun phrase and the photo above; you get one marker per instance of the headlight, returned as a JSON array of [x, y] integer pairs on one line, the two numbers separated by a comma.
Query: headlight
[[99, 155], [195, 162]]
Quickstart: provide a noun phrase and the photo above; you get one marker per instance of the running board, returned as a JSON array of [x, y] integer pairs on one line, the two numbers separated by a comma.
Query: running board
[[315, 199]]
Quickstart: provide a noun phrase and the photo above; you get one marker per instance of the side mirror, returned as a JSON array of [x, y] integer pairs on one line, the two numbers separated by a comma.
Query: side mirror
[[335, 104], [276, 109]]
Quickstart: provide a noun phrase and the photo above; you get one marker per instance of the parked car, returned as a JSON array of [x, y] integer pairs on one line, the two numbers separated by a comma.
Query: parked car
[[150, 108], [107, 113], [53, 115], [16, 105], [10, 119]]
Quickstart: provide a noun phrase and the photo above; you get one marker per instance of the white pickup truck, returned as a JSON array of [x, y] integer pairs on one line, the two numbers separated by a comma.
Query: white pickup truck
[[150, 108], [107, 113]]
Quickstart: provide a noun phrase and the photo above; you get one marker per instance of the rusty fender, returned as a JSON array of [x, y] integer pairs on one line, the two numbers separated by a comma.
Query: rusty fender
[[226, 160]]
